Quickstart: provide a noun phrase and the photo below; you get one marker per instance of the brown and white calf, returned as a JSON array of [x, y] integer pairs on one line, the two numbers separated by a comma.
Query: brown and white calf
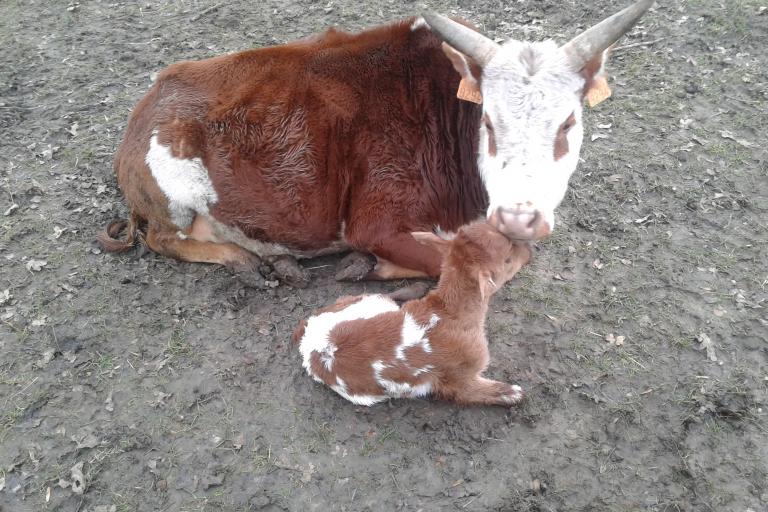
[[353, 141], [368, 349]]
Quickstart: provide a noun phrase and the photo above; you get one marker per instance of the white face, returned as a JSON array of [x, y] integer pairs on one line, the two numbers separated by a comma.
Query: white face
[[531, 132]]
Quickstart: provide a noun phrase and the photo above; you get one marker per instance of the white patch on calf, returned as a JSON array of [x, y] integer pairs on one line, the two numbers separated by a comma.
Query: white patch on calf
[[399, 389], [341, 388], [317, 331], [184, 182], [425, 369], [413, 334]]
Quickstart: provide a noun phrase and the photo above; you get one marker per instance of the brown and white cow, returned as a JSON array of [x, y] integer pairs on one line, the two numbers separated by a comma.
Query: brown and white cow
[[368, 349], [353, 141]]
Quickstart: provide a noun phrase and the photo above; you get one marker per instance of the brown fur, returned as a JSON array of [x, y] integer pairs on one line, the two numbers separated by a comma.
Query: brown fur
[[361, 130], [477, 262]]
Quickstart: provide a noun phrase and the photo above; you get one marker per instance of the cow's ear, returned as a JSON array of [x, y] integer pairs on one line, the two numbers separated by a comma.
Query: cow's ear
[[596, 87], [432, 240], [470, 71]]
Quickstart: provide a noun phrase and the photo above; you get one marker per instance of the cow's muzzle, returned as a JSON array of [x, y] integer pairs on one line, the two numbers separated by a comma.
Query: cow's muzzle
[[520, 223]]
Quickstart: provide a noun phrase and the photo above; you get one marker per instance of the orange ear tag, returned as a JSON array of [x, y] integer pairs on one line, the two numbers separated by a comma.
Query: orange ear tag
[[598, 92], [469, 91]]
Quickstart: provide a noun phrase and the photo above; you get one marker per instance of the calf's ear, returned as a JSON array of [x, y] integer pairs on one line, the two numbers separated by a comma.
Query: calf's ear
[[432, 240], [486, 282]]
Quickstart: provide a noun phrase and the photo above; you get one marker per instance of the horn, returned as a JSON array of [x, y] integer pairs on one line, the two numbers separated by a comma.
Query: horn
[[582, 48], [464, 39]]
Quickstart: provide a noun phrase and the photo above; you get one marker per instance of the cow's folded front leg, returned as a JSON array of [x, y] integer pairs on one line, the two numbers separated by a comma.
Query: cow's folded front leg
[[400, 256]]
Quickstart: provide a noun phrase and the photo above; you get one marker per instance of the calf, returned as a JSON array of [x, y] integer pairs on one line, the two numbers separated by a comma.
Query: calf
[[367, 349]]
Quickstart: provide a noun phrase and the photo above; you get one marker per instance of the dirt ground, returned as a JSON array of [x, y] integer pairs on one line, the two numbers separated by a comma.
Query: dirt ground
[[173, 387]]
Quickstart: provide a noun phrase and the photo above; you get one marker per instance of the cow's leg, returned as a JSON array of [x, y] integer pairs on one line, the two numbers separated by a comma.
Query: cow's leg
[[482, 391], [399, 255], [410, 292], [286, 267], [354, 266], [182, 246], [290, 271]]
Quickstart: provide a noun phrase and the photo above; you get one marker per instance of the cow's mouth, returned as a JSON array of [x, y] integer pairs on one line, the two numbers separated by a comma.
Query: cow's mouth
[[520, 223]]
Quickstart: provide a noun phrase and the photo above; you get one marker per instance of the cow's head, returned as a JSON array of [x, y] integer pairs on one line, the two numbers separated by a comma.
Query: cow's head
[[532, 95]]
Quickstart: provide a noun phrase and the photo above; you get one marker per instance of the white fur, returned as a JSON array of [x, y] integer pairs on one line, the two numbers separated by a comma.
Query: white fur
[[413, 334], [529, 90], [418, 23], [341, 388], [184, 182], [399, 389], [318, 328]]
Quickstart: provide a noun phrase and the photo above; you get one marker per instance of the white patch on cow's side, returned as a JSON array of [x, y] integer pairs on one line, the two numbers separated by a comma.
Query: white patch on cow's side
[[529, 90], [316, 336], [399, 389], [184, 182], [181, 235], [413, 334], [341, 388], [418, 23]]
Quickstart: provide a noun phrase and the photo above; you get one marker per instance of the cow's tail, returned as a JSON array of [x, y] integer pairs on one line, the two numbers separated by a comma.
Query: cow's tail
[[110, 239]]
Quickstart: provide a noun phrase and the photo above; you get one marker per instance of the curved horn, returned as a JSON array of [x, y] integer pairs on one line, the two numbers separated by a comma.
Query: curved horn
[[582, 48], [464, 39]]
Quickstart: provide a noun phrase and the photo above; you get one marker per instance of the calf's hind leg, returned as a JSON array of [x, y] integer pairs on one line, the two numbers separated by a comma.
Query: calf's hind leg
[[482, 391]]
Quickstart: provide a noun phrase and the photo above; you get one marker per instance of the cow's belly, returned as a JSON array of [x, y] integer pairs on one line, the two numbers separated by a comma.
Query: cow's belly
[[206, 228]]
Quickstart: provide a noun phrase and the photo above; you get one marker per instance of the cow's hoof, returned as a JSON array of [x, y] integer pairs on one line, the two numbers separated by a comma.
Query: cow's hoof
[[247, 271], [355, 266], [290, 272]]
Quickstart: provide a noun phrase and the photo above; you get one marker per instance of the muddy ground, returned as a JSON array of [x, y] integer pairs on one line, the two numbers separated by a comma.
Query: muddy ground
[[175, 388]]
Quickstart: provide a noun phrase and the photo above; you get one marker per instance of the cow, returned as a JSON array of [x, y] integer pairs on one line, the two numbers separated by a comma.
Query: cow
[[368, 349], [352, 141]]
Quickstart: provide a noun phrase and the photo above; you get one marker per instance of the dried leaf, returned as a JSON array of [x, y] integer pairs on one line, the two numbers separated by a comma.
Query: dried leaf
[[238, 441], [728, 135], [597, 264], [5, 297], [78, 479], [36, 265], [11, 209], [708, 345], [109, 405], [619, 341]]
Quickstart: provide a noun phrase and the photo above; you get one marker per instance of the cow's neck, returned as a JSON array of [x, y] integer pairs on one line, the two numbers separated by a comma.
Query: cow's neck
[[454, 173]]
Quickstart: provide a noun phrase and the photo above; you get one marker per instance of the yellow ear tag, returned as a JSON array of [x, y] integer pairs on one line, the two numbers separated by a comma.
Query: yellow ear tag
[[599, 91], [468, 91]]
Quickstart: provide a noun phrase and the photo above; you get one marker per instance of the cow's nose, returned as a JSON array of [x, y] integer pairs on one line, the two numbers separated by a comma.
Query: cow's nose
[[521, 223]]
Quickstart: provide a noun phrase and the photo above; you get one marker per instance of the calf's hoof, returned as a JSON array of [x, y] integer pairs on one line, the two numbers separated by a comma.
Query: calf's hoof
[[513, 396], [289, 271], [355, 266]]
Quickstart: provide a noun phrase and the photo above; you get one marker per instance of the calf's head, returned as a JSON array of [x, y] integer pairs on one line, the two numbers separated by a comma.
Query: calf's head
[[479, 251], [532, 95]]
